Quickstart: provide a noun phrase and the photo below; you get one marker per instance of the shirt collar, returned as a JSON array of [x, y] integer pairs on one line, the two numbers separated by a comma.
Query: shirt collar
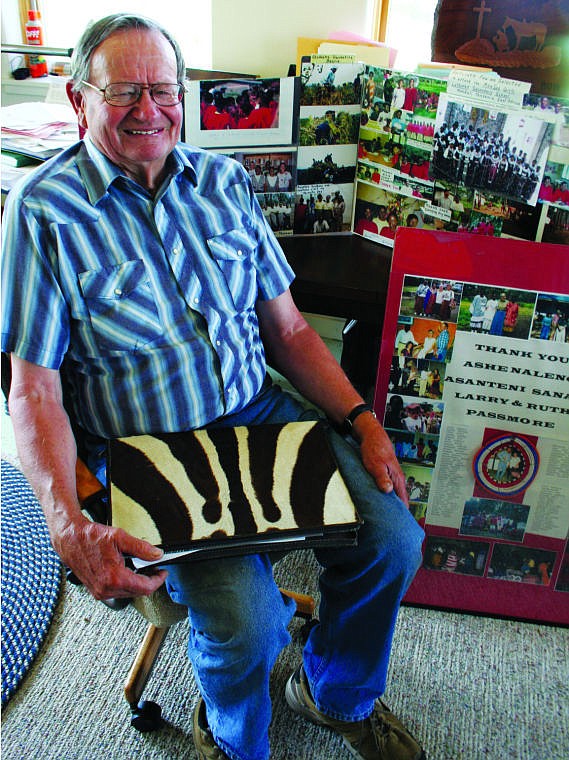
[[99, 172]]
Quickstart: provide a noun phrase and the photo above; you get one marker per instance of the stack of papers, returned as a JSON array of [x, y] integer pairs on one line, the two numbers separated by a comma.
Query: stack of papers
[[344, 43], [38, 129]]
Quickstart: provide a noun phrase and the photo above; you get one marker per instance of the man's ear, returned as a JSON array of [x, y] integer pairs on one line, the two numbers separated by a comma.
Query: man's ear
[[77, 101]]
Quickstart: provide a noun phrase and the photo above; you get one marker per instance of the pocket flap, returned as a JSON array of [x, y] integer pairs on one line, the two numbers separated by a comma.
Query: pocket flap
[[232, 245], [113, 282]]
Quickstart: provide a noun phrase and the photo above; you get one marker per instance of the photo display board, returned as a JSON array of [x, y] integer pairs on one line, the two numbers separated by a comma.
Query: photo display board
[[473, 390]]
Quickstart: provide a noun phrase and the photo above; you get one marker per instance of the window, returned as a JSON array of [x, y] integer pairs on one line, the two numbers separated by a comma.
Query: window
[[189, 21], [409, 29]]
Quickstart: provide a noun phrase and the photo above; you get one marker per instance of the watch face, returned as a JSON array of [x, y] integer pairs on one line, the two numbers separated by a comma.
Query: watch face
[[506, 465]]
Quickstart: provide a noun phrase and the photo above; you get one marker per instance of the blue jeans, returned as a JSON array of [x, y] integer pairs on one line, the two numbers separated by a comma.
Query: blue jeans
[[238, 618]]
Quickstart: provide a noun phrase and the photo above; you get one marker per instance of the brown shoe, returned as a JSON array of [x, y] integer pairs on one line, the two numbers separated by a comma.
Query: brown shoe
[[380, 737], [204, 743]]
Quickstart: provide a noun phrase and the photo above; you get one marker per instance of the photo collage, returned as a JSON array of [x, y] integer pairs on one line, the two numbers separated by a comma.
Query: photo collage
[[426, 160], [330, 110], [433, 314], [350, 147]]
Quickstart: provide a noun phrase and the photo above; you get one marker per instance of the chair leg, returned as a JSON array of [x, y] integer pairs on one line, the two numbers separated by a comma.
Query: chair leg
[[305, 605], [305, 608], [146, 716]]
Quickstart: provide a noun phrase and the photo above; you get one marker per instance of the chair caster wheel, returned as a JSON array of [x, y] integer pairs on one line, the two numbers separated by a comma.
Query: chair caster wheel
[[147, 716], [304, 632], [71, 577]]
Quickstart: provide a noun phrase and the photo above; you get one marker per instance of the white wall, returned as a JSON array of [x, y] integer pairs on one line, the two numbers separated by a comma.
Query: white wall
[[259, 37], [254, 36]]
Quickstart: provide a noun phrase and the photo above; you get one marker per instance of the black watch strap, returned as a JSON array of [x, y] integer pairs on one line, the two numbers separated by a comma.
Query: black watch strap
[[353, 415]]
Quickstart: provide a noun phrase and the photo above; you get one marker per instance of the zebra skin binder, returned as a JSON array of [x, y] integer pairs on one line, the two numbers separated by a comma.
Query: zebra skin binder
[[238, 490]]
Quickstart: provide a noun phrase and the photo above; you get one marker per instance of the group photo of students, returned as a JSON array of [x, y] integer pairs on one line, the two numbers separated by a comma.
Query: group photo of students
[[234, 105], [474, 152]]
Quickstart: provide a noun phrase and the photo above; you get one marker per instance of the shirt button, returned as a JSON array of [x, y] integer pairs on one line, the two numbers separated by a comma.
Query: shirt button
[[240, 253], [218, 343], [196, 300], [118, 292], [176, 250]]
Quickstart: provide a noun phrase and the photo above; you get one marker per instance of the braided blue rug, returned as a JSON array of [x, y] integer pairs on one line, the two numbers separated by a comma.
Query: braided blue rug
[[31, 578]]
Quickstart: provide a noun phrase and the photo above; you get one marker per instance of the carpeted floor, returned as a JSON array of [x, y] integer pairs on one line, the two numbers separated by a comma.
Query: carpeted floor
[[469, 687]]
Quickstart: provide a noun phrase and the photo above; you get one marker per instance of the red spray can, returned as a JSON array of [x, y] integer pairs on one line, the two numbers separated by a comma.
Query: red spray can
[[34, 36]]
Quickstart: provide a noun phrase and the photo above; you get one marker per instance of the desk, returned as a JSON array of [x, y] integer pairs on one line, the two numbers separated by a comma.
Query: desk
[[344, 275], [341, 275]]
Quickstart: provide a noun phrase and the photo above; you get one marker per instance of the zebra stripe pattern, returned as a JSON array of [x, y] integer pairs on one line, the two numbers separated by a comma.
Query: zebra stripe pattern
[[176, 488]]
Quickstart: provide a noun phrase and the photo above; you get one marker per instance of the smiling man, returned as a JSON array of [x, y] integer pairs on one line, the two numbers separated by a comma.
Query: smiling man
[[135, 125], [143, 273]]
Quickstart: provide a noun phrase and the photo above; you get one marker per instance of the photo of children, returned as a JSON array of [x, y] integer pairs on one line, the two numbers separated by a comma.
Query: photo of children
[[408, 414], [396, 132], [402, 96], [550, 318], [278, 210], [415, 447], [521, 564], [483, 224], [378, 213], [394, 181], [496, 215], [239, 104], [415, 337], [384, 141], [273, 176], [417, 482], [270, 170], [417, 377], [240, 113], [453, 556], [322, 208], [554, 188], [431, 298], [502, 151], [496, 311], [490, 518]]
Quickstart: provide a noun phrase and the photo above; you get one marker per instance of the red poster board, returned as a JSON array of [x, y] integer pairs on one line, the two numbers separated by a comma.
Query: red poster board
[[473, 389]]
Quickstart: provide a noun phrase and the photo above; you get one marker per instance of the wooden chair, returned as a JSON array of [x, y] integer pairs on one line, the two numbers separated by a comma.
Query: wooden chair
[[158, 609], [160, 612]]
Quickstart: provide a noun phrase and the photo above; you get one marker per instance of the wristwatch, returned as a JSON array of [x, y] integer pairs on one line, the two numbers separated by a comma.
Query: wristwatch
[[349, 420]]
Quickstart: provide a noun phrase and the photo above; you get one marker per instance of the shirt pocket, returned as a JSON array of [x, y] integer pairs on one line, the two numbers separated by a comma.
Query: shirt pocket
[[233, 252], [121, 306]]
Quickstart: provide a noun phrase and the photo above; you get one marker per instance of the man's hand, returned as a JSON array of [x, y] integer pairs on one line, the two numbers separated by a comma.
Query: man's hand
[[96, 552], [378, 456]]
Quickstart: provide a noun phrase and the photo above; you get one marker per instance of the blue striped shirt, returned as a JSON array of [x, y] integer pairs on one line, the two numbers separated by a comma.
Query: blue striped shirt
[[147, 303]]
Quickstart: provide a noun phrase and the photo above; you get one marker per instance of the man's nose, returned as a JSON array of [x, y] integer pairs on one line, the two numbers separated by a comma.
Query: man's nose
[[145, 104]]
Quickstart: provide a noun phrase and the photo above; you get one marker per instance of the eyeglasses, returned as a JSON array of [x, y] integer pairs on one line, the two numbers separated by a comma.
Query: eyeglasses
[[129, 93]]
